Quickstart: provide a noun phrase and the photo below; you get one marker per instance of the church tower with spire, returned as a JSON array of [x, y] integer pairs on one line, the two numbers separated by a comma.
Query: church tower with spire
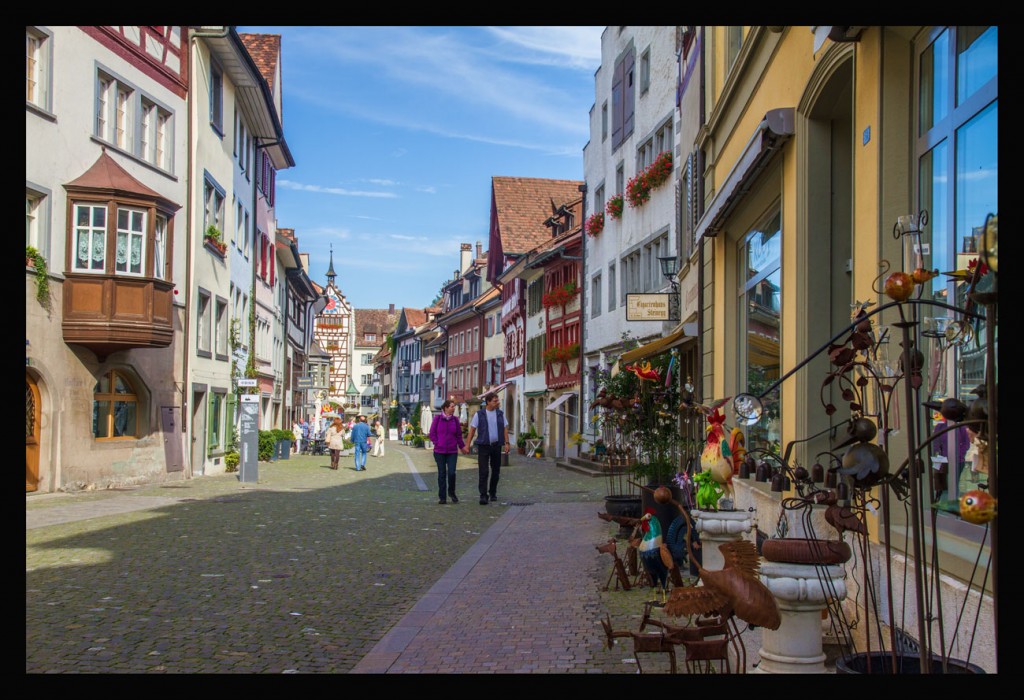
[[333, 331]]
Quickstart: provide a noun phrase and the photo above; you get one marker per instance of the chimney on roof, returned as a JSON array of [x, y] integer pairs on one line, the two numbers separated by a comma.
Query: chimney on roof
[[465, 257], [391, 309], [479, 250]]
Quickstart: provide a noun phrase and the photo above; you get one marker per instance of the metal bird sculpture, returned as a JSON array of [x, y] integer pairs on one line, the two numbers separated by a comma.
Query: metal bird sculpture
[[650, 552], [644, 372], [736, 586], [843, 519], [717, 457], [952, 409]]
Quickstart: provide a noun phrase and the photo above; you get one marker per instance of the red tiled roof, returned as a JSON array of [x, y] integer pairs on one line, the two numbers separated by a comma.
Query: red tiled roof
[[106, 174], [415, 317], [377, 321], [265, 50], [523, 204]]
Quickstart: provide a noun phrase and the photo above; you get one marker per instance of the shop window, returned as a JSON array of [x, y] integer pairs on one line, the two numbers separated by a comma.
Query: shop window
[[760, 305]]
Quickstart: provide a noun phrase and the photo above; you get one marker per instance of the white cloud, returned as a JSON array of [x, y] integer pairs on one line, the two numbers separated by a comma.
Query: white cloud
[[573, 47], [428, 189], [455, 63], [382, 182], [289, 184]]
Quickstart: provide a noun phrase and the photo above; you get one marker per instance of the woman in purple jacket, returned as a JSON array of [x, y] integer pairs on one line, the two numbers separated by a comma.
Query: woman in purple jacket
[[446, 434]]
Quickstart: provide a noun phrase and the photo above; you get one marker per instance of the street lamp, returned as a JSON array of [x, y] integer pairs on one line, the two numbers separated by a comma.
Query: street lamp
[[669, 270]]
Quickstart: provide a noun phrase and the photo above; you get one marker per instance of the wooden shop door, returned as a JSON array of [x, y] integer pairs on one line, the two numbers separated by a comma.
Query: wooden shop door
[[33, 413]]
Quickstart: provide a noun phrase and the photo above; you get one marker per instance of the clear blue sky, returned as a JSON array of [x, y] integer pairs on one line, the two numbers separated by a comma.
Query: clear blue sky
[[396, 132]]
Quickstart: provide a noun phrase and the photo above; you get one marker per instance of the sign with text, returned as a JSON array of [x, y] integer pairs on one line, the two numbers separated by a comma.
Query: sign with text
[[647, 307], [246, 382], [249, 420], [303, 382]]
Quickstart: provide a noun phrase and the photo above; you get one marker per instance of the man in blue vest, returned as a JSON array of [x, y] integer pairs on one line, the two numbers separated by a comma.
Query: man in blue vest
[[491, 432], [360, 433]]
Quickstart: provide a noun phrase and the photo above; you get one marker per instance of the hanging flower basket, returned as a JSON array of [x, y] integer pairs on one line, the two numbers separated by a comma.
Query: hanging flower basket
[[595, 223], [640, 186], [560, 296], [614, 206]]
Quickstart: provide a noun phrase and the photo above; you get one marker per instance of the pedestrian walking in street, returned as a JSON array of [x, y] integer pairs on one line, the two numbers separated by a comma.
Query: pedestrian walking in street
[[335, 439], [297, 434], [491, 432], [304, 425], [446, 435], [360, 434], [378, 442]]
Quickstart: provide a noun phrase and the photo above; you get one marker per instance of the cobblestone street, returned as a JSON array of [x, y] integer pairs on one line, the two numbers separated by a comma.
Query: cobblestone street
[[309, 569]]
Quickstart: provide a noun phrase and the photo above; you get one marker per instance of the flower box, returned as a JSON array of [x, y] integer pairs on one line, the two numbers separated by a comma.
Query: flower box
[[595, 223], [562, 353], [614, 206], [215, 246], [640, 186], [560, 295]]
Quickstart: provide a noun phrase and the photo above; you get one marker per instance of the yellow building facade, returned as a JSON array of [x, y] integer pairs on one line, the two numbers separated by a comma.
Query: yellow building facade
[[815, 140]]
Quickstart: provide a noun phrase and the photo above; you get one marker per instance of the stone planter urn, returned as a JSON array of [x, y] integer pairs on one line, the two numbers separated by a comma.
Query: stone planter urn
[[716, 527]]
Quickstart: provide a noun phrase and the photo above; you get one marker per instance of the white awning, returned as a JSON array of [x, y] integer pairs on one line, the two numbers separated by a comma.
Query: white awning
[[494, 389], [554, 405]]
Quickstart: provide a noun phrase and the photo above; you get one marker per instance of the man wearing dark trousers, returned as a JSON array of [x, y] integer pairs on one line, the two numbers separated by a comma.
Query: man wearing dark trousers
[[491, 432]]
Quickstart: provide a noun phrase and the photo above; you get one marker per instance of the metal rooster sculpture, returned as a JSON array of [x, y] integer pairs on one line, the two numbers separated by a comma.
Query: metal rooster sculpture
[[722, 452], [650, 552]]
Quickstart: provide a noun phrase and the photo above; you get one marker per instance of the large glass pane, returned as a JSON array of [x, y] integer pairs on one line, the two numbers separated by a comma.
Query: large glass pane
[[101, 419], [159, 247], [103, 385], [99, 249], [121, 259], [764, 248], [933, 196], [977, 177], [934, 83], [82, 239], [977, 62], [124, 418], [121, 386], [764, 356]]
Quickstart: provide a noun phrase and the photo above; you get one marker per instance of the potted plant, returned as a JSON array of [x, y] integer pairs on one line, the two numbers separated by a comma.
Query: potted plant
[[266, 445], [614, 206], [595, 224], [521, 443], [283, 443], [213, 239], [231, 460], [417, 441]]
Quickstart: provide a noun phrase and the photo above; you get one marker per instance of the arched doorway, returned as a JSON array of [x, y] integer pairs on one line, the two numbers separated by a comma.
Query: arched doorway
[[33, 416]]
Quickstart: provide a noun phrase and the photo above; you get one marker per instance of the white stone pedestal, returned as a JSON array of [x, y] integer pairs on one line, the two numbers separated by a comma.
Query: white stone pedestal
[[717, 527], [796, 646]]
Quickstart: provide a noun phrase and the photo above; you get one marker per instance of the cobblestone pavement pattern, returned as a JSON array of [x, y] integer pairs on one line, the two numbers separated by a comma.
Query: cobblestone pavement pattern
[[316, 571]]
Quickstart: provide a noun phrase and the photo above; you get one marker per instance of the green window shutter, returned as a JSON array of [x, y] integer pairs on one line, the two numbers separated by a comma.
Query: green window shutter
[[229, 422], [211, 422]]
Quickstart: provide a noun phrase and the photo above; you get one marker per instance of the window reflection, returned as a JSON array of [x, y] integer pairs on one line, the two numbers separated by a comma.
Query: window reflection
[[761, 304], [977, 60]]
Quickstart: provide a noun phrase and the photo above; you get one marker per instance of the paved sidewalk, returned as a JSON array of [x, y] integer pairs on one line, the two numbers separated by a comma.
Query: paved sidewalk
[[521, 600]]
